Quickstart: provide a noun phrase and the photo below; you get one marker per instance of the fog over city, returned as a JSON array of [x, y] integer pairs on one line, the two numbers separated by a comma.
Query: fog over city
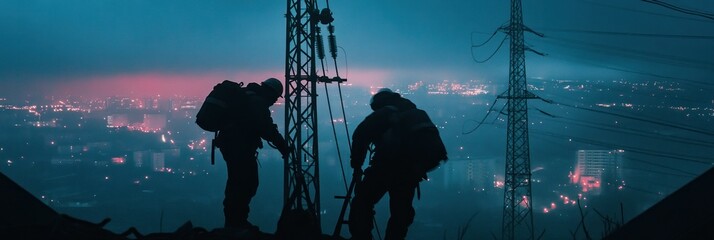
[[98, 102]]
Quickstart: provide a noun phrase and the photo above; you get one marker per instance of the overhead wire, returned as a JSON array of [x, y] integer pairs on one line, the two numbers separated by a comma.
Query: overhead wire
[[649, 152], [334, 133], [640, 151], [625, 130], [482, 120], [634, 54], [332, 43], [636, 150], [640, 56], [660, 172], [642, 73], [681, 9], [632, 34], [600, 3], [635, 88], [662, 166], [492, 54], [487, 40], [656, 122], [652, 163]]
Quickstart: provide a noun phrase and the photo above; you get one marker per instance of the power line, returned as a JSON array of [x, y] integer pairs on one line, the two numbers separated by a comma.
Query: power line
[[627, 88], [662, 166], [629, 131], [635, 54], [649, 152], [480, 122], [633, 34], [599, 3], [492, 54], [656, 122], [693, 159], [681, 9], [643, 73], [639, 151], [663, 60], [483, 43], [660, 172]]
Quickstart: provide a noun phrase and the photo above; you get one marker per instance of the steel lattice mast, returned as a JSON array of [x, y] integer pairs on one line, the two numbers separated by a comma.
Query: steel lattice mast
[[302, 177], [517, 210]]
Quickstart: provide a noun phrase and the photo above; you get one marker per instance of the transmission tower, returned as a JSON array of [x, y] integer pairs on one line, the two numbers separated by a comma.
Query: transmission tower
[[517, 210], [304, 44], [302, 172]]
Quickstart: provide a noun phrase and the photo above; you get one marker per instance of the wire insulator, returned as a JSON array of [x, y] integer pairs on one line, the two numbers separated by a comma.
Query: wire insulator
[[320, 44], [331, 29], [333, 45], [326, 16]]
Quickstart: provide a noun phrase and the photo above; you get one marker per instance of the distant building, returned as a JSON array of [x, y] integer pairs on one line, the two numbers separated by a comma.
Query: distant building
[[158, 158], [139, 157], [154, 122], [468, 175], [119, 103], [118, 120], [597, 168]]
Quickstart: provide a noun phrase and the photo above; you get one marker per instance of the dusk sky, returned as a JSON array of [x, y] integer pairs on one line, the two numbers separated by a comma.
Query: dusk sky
[[185, 47]]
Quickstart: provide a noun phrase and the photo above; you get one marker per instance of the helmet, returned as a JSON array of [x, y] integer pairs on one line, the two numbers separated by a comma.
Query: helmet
[[382, 98], [274, 85]]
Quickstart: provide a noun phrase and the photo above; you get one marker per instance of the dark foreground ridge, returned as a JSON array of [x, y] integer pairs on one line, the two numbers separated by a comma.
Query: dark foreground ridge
[[26, 217], [685, 214]]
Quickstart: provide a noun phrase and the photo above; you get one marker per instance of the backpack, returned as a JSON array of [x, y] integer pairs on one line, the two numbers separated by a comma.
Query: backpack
[[220, 109], [419, 139]]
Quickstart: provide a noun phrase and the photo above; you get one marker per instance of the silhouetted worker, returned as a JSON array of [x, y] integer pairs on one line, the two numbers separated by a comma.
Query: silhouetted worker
[[239, 144], [391, 170]]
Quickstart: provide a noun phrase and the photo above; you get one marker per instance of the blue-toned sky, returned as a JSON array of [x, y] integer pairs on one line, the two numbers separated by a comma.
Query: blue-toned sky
[[178, 46]]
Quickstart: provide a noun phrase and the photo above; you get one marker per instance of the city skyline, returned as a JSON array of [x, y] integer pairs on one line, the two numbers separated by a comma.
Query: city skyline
[[98, 102], [475, 172]]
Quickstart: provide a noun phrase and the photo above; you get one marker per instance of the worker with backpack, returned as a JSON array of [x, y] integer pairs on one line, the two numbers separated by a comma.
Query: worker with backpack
[[407, 145], [241, 117]]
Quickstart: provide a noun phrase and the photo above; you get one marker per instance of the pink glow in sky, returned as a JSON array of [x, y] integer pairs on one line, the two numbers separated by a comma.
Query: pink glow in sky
[[153, 84], [192, 84]]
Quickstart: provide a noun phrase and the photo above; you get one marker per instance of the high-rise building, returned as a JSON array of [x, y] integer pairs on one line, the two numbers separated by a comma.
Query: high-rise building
[[597, 168]]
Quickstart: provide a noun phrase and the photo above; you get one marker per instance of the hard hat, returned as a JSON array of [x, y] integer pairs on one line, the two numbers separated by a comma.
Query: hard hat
[[381, 98], [274, 85]]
